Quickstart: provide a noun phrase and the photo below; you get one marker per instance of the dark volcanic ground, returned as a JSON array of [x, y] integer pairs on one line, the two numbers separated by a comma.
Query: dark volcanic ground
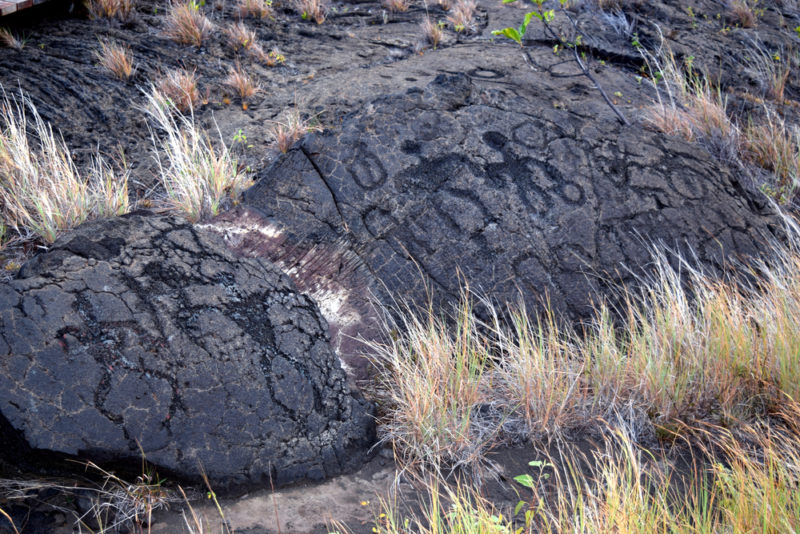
[[359, 53]]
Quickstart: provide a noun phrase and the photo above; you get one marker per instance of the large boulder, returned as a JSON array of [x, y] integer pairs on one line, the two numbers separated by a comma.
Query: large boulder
[[459, 182], [145, 332]]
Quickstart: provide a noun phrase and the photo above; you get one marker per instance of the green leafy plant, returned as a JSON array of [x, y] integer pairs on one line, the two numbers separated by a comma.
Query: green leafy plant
[[516, 34], [572, 40]]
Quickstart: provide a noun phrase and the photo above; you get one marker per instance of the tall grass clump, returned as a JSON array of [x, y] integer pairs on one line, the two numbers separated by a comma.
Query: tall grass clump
[[240, 36], [681, 348], [775, 146], [179, 88], [42, 192], [197, 176], [462, 14], [455, 509], [436, 377], [771, 70], [315, 10]]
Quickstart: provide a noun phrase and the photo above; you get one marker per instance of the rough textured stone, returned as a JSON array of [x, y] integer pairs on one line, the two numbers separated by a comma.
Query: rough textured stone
[[460, 182], [146, 329]]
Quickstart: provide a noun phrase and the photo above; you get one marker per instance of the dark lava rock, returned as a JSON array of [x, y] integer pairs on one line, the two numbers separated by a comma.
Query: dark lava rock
[[147, 330], [460, 182]]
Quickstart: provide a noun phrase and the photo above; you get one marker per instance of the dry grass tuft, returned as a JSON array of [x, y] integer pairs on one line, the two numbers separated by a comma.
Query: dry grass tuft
[[197, 176], [9, 40], [742, 12], [240, 36], [396, 5], [178, 88], [254, 8], [436, 373], [431, 32], [42, 193], [775, 146], [771, 70], [688, 105], [186, 24], [115, 58], [98, 9], [241, 82], [287, 131], [461, 16], [446, 5], [315, 10]]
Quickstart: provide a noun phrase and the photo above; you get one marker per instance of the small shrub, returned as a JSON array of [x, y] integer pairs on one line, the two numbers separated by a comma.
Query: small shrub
[[179, 88], [115, 58], [98, 9], [431, 32], [254, 8], [241, 82], [187, 25], [240, 36], [315, 10]]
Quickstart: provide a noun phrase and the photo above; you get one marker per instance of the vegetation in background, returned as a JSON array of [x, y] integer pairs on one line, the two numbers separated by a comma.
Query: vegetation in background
[[315, 10], [98, 9]]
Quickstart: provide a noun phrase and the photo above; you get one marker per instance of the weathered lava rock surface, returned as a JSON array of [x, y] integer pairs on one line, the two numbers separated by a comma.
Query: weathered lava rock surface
[[458, 183], [146, 329]]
